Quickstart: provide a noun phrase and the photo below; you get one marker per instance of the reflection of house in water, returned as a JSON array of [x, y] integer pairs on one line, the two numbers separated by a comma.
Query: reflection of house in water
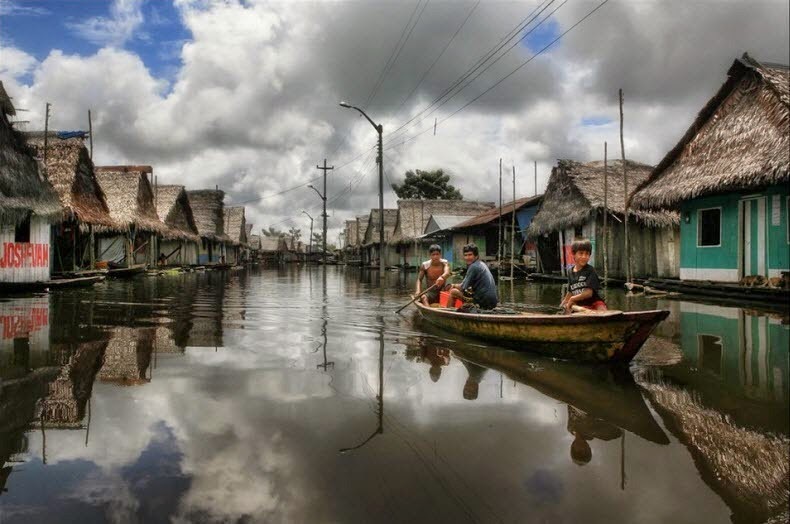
[[749, 470], [207, 312], [128, 356], [744, 349], [68, 395], [165, 342], [24, 336]]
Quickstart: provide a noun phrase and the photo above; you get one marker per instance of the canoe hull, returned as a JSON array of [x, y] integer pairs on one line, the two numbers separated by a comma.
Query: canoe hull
[[607, 337]]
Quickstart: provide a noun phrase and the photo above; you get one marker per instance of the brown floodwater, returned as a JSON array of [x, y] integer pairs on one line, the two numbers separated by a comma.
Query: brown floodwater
[[296, 396]]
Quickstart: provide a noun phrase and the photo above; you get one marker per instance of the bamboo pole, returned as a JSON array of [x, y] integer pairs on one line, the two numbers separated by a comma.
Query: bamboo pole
[[605, 216], [499, 247], [513, 227], [90, 133], [625, 196]]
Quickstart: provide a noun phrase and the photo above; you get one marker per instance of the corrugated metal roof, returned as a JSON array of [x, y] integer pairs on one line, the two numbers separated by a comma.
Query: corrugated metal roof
[[440, 222], [493, 214]]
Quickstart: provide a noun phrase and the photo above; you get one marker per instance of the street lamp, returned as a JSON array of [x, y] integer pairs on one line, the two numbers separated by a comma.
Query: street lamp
[[380, 159], [311, 231]]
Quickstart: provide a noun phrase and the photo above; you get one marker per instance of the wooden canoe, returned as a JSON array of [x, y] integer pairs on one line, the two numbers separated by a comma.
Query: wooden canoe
[[606, 393], [126, 272], [610, 336]]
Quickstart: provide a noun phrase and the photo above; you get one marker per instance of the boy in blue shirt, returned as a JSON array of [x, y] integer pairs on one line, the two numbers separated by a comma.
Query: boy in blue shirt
[[478, 283]]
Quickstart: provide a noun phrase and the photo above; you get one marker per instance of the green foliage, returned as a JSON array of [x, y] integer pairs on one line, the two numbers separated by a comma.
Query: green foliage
[[427, 185], [272, 232], [295, 233]]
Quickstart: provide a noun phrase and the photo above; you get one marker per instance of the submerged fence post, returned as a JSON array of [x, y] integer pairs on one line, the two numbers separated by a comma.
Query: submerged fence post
[[605, 216], [625, 196]]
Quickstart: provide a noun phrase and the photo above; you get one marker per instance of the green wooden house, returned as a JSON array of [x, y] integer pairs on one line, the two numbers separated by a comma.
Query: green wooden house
[[728, 177]]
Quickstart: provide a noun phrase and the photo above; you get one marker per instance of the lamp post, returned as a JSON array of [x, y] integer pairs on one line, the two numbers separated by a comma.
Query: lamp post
[[380, 159], [323, 197], [310, 249]]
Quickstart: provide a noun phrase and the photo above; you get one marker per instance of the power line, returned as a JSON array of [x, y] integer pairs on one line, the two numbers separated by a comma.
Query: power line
[[446, 46], [395, 50], [585, 17], [482, 60]]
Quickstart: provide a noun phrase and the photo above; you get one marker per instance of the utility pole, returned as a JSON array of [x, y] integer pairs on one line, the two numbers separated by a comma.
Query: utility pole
[[324, 169], [380, 130], [625, 196], [46, 132], [310, 245], [605, 217], [536, 178], [499, 250], [513, 230]]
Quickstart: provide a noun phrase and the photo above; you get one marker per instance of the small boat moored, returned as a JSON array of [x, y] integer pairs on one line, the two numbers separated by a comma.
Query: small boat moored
[[608, 336]]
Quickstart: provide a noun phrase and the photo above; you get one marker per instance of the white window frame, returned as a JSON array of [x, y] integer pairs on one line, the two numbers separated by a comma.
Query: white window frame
[[699, 225]]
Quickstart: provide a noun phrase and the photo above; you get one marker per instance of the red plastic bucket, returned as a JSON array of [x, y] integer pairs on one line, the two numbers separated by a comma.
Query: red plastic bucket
[[444, 297]]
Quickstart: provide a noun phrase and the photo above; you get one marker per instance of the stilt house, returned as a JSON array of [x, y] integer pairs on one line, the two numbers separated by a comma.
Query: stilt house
[[208, 210], [573, 207], [413, 217], [28, 205], [728, 177], [182, 242], [235, 228], [71, 172], [130, 198], [370, 244]]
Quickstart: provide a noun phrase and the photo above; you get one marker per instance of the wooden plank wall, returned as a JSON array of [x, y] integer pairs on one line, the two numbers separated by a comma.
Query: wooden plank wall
[[25, 262]]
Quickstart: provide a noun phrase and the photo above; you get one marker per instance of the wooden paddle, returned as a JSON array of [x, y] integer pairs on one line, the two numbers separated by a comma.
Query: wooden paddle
[[410, 302]]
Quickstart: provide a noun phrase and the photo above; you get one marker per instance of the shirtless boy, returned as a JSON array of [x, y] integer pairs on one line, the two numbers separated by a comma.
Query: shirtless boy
[[435, 271]]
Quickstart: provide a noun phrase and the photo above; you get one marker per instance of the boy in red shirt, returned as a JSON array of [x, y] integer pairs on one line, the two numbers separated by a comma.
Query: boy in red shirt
[[583, 284]]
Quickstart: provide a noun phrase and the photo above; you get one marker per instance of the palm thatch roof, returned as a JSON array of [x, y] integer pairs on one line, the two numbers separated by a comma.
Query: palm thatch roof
[[70, 170], [413, 215], [207, 208], [172, 206], [23, 188], [372, 230], [272, 244], [740, 140], [362, 222], [235, 225], [493, 214], [254, 242], [350, 232], [748, 469], [128, 356], [130, 198], [575, 194]]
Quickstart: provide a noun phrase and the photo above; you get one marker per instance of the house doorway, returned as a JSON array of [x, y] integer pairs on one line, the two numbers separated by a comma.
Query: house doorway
[[753, 237]]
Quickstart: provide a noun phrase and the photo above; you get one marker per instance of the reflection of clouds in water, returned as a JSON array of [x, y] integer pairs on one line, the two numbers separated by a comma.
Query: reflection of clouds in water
[[110, 492]]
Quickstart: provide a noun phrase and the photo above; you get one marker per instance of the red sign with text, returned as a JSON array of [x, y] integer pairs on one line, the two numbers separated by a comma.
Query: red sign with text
[[20, 323], [17, 255]]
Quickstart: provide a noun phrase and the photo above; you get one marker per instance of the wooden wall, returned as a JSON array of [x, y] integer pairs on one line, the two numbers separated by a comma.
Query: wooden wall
[[25, 262]]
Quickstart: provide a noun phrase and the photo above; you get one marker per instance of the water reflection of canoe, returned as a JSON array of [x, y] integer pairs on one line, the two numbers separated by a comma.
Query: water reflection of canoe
[[126, 272], [609, 394], [613, 336]]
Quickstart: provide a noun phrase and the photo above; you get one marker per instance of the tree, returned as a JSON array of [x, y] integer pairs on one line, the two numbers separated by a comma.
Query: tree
[[272, 232], [295, 233], [427, 185]]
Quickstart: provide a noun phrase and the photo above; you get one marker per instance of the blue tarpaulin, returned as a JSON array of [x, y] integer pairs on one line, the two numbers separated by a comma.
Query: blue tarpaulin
[[63, 135]]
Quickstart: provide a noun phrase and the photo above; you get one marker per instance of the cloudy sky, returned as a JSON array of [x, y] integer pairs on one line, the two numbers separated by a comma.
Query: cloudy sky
[[244, 94]]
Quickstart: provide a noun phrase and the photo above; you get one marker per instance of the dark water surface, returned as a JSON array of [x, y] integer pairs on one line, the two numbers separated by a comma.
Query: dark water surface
[[278, 396]]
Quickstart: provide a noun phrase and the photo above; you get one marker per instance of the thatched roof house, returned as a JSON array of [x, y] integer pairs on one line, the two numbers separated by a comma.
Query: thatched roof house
[[739, 141], [207, 208], [372, 230], [130, 198], [172, 206], [272, 244], [575, 193], [413, 215], [254, 242], [70, 170], [235, 225], [22, 187]]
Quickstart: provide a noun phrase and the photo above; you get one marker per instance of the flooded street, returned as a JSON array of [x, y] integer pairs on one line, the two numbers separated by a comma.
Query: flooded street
[[293, 396]]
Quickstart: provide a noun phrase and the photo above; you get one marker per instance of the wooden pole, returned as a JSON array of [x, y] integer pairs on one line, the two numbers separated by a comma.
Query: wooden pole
[[513, 227], [46, 132], [90, 133], [92, 256], [625, 196], [605, 216], [536, 178], [499, 250]]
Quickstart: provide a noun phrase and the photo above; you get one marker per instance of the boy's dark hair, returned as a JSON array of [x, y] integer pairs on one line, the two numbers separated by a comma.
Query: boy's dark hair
[[434, 247], [471, 248], [581, 244]]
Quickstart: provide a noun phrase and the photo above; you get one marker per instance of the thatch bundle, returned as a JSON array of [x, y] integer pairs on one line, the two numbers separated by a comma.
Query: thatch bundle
[[172, 206], [71, 172], [372, 230], [207, 208], [740, 141], [128, 356], [235, 225], [130, 198], [22, 187], [493, 214], [413, 215], [575, 194], [751, 471]]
